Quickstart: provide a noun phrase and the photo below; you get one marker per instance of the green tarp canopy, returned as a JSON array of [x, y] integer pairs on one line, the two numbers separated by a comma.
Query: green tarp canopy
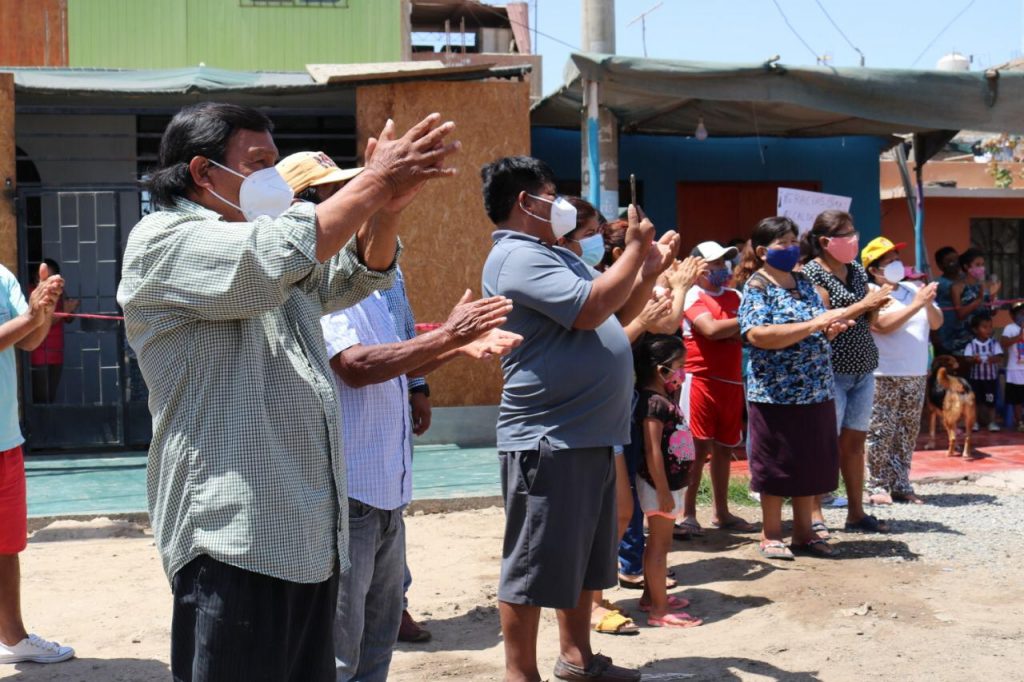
[[668, 97]]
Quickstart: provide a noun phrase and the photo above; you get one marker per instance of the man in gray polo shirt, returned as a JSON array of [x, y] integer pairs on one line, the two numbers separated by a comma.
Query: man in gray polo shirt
[[566, 400]]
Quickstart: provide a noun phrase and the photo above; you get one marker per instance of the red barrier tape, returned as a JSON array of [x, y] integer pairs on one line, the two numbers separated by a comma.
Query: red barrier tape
[[90, 316], [420, 327]]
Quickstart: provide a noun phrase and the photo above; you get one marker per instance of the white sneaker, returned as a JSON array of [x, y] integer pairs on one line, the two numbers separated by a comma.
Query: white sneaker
[[992, 426], [975, 427], [35, 649]]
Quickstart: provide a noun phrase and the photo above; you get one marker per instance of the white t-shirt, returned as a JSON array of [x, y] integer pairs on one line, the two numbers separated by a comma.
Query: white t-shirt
[[904, 351], [1014, 356]]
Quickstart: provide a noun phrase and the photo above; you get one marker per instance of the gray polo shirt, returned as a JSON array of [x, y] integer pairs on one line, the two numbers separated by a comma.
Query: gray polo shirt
[[572, 386]]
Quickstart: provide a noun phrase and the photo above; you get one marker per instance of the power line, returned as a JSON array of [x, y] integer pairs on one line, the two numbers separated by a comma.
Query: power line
[[799, 37], [536, 31], [836, 26], [939, 34]]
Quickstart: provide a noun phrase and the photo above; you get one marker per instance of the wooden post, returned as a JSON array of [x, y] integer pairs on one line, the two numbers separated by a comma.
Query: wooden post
[[8, 217]]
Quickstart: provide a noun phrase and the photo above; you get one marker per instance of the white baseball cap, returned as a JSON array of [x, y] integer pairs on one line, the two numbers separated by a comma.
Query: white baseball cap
[[710, 251]]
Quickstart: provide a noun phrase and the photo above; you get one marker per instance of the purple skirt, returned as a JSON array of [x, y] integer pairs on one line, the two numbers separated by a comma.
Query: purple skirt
[[794, 449]]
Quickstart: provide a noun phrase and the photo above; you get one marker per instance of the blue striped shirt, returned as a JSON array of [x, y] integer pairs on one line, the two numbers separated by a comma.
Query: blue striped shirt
[[405, 323], [377, 425]]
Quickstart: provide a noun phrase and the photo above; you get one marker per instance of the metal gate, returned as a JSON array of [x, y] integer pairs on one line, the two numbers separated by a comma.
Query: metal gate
[[83, 391]]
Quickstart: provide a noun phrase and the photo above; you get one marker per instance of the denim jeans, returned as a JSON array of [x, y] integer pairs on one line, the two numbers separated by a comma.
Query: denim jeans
[[631, 548], [370, 593]]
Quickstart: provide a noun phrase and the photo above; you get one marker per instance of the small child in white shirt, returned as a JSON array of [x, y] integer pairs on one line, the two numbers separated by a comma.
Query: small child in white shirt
[[985, 356], [1012, 342]]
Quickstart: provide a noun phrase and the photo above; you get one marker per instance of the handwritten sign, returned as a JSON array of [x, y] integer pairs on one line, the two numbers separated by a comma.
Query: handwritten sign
[[802, 207]]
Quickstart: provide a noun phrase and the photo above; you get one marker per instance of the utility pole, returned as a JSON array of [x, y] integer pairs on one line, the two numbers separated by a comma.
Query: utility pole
[[600, 130]]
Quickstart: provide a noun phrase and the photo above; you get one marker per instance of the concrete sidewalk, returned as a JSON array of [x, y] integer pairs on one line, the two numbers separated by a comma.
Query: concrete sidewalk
[[999, 451]]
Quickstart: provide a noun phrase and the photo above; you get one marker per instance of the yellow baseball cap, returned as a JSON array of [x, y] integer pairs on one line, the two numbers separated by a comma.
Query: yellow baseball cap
[[309, 169], [876, 248]]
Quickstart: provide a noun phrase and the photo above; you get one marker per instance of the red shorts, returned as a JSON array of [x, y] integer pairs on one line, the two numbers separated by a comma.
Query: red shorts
[[716, 411], [13, 512]]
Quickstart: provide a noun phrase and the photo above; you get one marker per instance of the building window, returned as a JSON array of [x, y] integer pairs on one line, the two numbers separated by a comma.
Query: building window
[[1000, 239], [334, 4]]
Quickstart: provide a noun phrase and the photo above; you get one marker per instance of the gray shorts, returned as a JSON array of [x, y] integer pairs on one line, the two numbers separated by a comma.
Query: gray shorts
[[560, 525]]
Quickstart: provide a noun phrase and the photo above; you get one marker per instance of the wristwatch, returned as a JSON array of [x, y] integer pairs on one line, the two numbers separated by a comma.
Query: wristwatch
[[422, 388]]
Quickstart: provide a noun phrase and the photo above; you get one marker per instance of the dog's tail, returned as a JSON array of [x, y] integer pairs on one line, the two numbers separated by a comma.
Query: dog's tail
[[942, 380]]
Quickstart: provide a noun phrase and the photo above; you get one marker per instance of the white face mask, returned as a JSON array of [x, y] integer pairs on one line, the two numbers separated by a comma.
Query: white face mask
[[264, 192], [563, 215], [894, 272]]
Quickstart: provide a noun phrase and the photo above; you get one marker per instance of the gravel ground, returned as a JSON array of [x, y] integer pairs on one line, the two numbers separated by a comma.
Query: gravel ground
[[963, 524]]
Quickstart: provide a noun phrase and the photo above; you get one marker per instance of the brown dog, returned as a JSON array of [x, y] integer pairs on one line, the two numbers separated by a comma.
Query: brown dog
[[950, 397]]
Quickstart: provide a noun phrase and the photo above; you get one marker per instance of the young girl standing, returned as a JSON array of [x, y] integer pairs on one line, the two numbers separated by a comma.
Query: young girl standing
[[662, 474]]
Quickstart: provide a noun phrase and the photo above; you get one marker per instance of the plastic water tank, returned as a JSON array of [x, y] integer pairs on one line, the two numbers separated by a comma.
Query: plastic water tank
[[954, 61]]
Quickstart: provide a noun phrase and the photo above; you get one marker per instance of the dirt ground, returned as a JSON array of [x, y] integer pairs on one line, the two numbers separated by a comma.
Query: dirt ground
[[885, 610]]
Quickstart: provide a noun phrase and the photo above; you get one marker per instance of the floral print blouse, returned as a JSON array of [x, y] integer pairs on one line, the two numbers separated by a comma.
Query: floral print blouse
[[676, 440], [800, 374]]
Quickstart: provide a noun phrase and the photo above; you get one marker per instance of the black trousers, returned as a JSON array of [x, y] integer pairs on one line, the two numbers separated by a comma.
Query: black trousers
[[231, 624]]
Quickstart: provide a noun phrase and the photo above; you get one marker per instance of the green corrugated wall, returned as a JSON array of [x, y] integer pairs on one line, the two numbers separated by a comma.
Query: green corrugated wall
[[157, 34]]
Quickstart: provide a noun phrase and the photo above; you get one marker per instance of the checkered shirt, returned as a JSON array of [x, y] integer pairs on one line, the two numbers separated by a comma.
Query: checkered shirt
[[245, 464], [405, 323], [377, 428]]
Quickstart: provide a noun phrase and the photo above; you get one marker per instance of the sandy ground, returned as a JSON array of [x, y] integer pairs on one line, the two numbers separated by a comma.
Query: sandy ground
[[885, 610]]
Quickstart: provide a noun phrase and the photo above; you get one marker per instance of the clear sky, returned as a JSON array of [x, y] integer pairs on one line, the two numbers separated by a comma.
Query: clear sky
[[890, 33]]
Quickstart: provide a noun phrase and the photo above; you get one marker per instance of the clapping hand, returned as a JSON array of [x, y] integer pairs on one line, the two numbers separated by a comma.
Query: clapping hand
[[406, 163], [470, 319], [654, 310], [493, 344], [926, 294], [43, 299], [661, 255], [684, 273]]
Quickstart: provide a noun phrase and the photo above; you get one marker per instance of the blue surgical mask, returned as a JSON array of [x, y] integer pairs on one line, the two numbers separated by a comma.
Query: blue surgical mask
[[593, 249], [719, 278], [783, 258]]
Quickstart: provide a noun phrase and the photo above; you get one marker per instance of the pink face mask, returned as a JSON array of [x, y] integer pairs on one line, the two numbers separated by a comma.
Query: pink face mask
[[675, 379], [844, 249], [977, 273]]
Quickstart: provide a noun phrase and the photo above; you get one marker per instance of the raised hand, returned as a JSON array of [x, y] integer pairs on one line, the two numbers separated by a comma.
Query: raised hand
[[470, 319], [661, 255], [409, 161], [640, 231]]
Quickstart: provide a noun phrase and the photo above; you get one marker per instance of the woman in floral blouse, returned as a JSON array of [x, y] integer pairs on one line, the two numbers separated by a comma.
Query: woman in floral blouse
[[793, 447]]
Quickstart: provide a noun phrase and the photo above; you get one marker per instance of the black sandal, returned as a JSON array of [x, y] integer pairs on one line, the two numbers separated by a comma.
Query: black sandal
[[815, 548], [868, 524]]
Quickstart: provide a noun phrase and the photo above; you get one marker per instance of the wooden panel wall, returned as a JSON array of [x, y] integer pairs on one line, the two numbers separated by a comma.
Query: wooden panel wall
[[445, 231], [722, 211], [34, 32], [8, 218]]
